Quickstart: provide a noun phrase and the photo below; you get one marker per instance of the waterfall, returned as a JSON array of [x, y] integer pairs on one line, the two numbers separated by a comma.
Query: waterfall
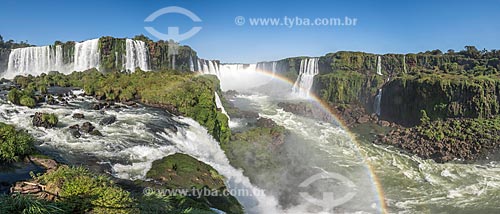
[[198, 63], [379, 65], [404, 63], [129, 146], [191, 63], [86, 55], [34, 61], [219, 105], [269, 67], [304, 82], [137, 55], [376, 103], [208, 66]]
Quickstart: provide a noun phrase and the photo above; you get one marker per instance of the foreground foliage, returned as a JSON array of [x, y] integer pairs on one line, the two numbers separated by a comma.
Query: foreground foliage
[[14, 144], [183, 172], [77, 190]]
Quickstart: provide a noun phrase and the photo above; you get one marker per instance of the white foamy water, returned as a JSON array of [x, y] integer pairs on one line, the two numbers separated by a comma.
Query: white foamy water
[[34, 61], [376, 103], [303, 84], [86, 55], [130, 145], [379, 65], [219, 105], [136, 55]]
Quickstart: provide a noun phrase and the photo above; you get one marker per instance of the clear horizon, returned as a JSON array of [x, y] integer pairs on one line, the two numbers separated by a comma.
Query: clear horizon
[[382, 27]]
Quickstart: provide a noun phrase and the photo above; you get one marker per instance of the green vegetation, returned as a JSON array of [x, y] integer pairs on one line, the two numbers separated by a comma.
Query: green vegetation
[[344, 87], [112, 51], [77, 190], [14, 144], [26, 204], [174, 169], [50, 119], [81, 191], [157, 203], [191, 95], [442, 96], [21, 97], [450, 139], [181, 171], [256, 150], [478, 130]]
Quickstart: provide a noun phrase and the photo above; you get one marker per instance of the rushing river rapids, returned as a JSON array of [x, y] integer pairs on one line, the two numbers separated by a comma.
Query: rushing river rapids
[[142, 134], [411, 185], [128, 147]]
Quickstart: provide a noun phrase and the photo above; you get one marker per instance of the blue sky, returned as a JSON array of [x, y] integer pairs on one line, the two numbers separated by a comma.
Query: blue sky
[[382, 27]]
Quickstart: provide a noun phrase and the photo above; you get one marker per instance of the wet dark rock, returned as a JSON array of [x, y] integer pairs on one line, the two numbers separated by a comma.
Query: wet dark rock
[[87, 127], [108, 120], [40, 120], [76, 126], [384, 123], [96, 133], [265, 123], [78, 116], [46, 163], [98, 106], [246, 114], [230, 94], [75, 133], [306, 109], [171, 127], [363, 119], [129, 103]]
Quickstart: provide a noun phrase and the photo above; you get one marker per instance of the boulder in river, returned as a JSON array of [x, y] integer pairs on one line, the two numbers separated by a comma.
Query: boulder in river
[[44, 120], [87, 127], [108, 120], [96, 132], [78, 116], [75, 132]]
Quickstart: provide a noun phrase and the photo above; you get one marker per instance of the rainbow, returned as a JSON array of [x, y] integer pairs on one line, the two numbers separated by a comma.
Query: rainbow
[[326, 108]]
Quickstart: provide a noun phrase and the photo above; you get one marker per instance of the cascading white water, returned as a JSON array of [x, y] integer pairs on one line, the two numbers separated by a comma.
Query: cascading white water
[[134, 141], [376, 103], [191, 64], [86, 55], [208, 66], [241, 77], [137, 55], [379, 65], [404, 63], [303, 84], [35, 61], [267, 67], [219, 105]]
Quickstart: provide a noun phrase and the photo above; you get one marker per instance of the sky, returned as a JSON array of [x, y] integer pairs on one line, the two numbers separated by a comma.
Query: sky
[[381, 26]]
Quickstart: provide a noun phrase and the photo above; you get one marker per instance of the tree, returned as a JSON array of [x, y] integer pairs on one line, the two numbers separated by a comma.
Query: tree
[[436, 52], [472, 52]]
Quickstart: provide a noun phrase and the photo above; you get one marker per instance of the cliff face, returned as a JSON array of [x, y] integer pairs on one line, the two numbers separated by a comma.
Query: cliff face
[[441, 96], [113, 54], [4, 58], [464, 84]]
